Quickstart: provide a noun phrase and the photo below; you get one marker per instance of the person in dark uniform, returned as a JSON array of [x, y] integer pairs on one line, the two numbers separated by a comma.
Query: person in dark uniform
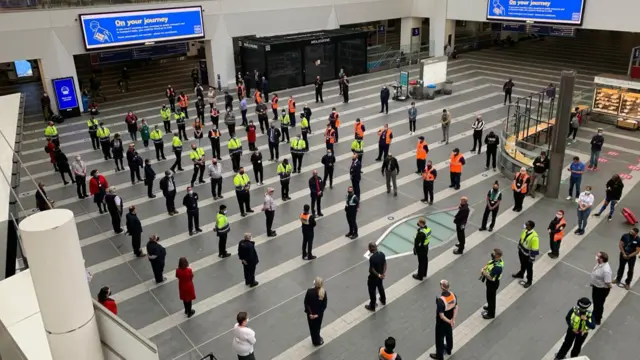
[[351, 208], [384, 99], [580, 322], [315, 303], [273, 136], [355, 172], [528, 249], [249, 258], [263, 118], [491, 275], [629, 246], [117, 149], [156, 254], [308, 224], [421, 249], [377, 270], [319, 84], [42, 200], [508, 89], [134, 229], [214, 139], [447, 310], [170, 93], [329, 162], [149, 178], [63, 165], [135, 163], [114, 206], [345, 89], [168, 187], [491, 141], [460, 220], [494, 197], [190, 201], [429, 176], [316, 188]]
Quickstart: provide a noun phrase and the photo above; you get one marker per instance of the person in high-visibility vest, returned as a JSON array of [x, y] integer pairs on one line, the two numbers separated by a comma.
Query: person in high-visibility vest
[[51, 132], [104, 134], [387, 351], [528, 249], [456, 163], [176, 145], [284, 171], [241, 91], [165, 114], [292, 111], [421, 249], [305, 129], [285, 123], [358, 128], [579, 320], [222, 228], [429, 175], [257, 97], [214, 139], [298, 146], [446, 313], [235, 152], [357, 147], [491, 275], [329, 137], [384, 142], [274, 106], [242, 183], [183, 103], [556, 233], [520, 187], [197, 155], [334, 120], [180, 118], [422, 150], [158, 142], [93, 128], [308, 222], [494, 197]]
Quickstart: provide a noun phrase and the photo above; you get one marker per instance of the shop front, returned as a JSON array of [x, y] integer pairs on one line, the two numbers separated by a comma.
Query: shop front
[[616, 100]]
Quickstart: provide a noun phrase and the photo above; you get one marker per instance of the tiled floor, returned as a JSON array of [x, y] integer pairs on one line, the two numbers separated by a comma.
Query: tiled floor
[[529, 322]]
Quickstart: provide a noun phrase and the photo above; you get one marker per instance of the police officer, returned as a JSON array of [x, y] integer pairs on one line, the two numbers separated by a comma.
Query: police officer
[[158, 143], [298, 147], [284, 171], [384, 142], [115, 208], [249, 258], [176, 144], [329, 161], [242, 184], [308, 223], [273, 138], [190, 201], [305, 130], [104, 134], [528, 248], [51, 132], [182, 124], [214, 139], [222, 229], [285, 122], [384, 99], [93, 128], [357, 147], [351, 208], [165, 114], [494, 197], [168, 187], [579, 322], [447, 310], [377, 271], [491, 141], [428, 178], [157, 255], [235, 152], [355, 172], [421, 249], [197, 157], [491, 275]]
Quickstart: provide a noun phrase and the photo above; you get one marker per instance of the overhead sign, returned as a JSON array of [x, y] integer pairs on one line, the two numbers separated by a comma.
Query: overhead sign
[[568, 12], [147, 52], [108, 30], [65, 90], [415, 31]]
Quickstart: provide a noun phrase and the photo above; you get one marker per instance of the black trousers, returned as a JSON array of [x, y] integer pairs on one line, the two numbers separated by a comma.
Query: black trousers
[[554, 246], [328, 173], [485, 217], [356, 187], [345, 93], [116, 219], [71, 177], [136, 240], [492, 290], [134, 171], [159, 150], [462, 238], [412, 125], [526, 265], [307, 244], [106, 149], [284, 130], [216, 187], [158, 269], [573, 131], [243, 201], [297, 161], [222, 243], [316, 203], [193, 218], [249, 274], [187, 307], [351, 220], [170, 201], [167, 126], [598, 297], [269, 215], [284, 187], [185, 110], [319, 95], [182, 132], [178, 162], [231, 128], [197, 169], [149, 187], [95, 142], [571, 339], [384, 106], [373, 284], [383, 150], [518, 199], [507, 94], [292, 117], [491, 155], [274, 149], [119, 164], [258, 172], [623, 262], [235, 161], [477, 139], [423, 261], [81, 185], [455, 180], [264, 122], [444, 338], [314, 329], [215, 149], [427, 189], [421, 164], [172, 103]]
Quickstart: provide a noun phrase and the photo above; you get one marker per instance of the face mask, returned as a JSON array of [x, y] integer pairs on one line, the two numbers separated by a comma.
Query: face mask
[[587, 192], [559, 216], [224, 212], [96, 175], [597, 258], [495, 189], [493, 256], [241, 172], [599, 133], [455, 153], [78, 158], [190, 192], [524, 226], [428, 166]]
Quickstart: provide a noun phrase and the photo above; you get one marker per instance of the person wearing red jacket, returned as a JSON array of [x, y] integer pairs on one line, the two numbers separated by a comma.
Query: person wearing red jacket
[[105, 300], [251, 135], [132, 125], [98, 189], [50, 149], [186, 290]]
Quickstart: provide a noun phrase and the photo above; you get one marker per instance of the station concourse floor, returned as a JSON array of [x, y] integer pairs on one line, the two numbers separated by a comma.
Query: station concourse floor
[[529, 323]]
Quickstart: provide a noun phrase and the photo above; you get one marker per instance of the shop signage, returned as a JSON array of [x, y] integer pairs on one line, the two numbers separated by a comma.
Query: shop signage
[[320, 41], [627, 84], [250, 46], [65, 90], [415, 31], [567, 12], [108, 30]]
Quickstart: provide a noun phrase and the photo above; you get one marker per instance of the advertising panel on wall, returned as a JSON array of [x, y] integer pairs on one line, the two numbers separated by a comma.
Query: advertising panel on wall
[[566, 12], [66, 96], [131, 28]]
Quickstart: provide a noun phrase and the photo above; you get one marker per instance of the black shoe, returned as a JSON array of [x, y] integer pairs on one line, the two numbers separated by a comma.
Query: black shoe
[[354, 236], [517, 276], [435, 356], [415, 276], [490, 229], [190, 314], [424, 200], [201, 181], [191, 233], [255, 283], [369, 308], [348, 235], [320, 214], [382, 302], [485, 315], [153, 196], [250, 211], [457, 252], [243, 214], [66, 182], [311, 257], [226, 255], [198, 230], [526, 285], [485, 308], [272, 234], [482, 229]]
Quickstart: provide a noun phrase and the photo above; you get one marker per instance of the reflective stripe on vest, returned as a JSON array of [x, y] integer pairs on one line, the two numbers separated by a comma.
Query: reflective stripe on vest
[[304, 218], [427, 174], [356, 146], [103, 133], [284, 171], [196, 154], [384, 356], [450, 301], [427, 235], [156, 136], [421, 154], [578, 324], [92, 124], [491, 264], [523, 188], [284, 120], [241, 180], [257, 97], [234, 144], [222, 223], [165, 114], [559, 234], [330, 136], [456, 165], [176, 143]]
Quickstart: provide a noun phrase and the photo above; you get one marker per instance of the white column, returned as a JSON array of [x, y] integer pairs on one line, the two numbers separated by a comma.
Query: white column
[[58, 63], [57, 268], [440, 28], [221, 53], [408, 42], [208, 50]]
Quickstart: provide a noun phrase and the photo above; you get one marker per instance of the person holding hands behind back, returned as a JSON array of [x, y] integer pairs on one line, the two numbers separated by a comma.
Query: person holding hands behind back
[[315, 303]]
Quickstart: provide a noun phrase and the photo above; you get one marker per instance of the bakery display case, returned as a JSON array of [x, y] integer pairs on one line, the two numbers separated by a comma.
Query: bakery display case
[[630, 105], [616, 99], [607, 100]]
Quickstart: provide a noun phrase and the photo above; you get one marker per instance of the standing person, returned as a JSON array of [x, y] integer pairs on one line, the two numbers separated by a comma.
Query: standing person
[[613, 195], [251, 135], [601, 282], [491, 141], [477, 126], [421, 249], [274, 106], [315, 303], [265, 88], [355, 173], [306, 110], [387, 351], [145, 133], [51, 132], [384, 99], [445, 122], [285, 123], [291, 103], [519, 186], [125, 77], [507, 88], [117, 148], [284, 171], [115, 208], [132, 125], [580, 321], [305, 130], [460, 220], [197, 157], [345, 89], [491, 275], [198, 131], [134, 229], [63, 165], [334, 122], [596, 146], [390, 170], [540, 167], [297, 152], [629, 247], [190, 201], [79, 169], [176, 145], [93, 124], [413, 117], [351, 208], [98, 189], [170, 93], [318, 85], [455, 168], [200, 108], [316, 190], [242, 183], [222, 229], [446, 313], [258, 170], [235, 152], [585, 202], [186, 290], [273, 138], [168, 187], [269, 209], [149, 178], [263, 118], [181, 122], [243, 111], [165, 114], [341, 80], [158, 142], [574, 124], [329, 162], [195, 76], [45, 105], [183, 103], [50, 149], [528, 249], [249, 258], [230, 121], [494, 198], [385, 135], [214, 115], [308, 224], [429, 175], [556, 233], [330, 137], [104, 298], [422, 150], [228, 101], [104, 135], [377, 271], [214, 139], [550, 91], [211, 97], [156, 254], [243, 338], [134, 161], [215, 174], [43, 202]]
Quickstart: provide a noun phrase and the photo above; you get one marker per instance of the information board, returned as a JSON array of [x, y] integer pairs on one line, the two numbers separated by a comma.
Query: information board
[[404, 78], [568, 12], [65, 90], [116, 29]]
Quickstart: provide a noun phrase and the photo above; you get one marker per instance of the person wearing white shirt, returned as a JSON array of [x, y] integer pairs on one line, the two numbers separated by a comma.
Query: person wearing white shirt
[[215, 173], [79, 169], [269, 208], [585, 202], [243, 338], [477, 126]]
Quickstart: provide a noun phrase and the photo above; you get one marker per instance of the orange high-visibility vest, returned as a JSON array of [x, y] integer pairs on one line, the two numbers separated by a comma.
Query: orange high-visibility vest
[[427, 175], [384, 356], [420, 153], [560, 234], [274, 102], [257, 97], [330, 136], [304, 219], [292, 106], [388, 137], [357, 128], [514, 185], [456, 165], [450, 301], [183, 101]]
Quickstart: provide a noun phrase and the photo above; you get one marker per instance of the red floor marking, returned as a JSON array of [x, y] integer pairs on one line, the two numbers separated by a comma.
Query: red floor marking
[[612, 153], [625, 176], [602, 160], [634, 167]]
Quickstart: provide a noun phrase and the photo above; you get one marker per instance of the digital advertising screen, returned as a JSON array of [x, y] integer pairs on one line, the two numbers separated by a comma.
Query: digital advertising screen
[[117, 29], [567, 12], [23, 68], [65, 90]]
